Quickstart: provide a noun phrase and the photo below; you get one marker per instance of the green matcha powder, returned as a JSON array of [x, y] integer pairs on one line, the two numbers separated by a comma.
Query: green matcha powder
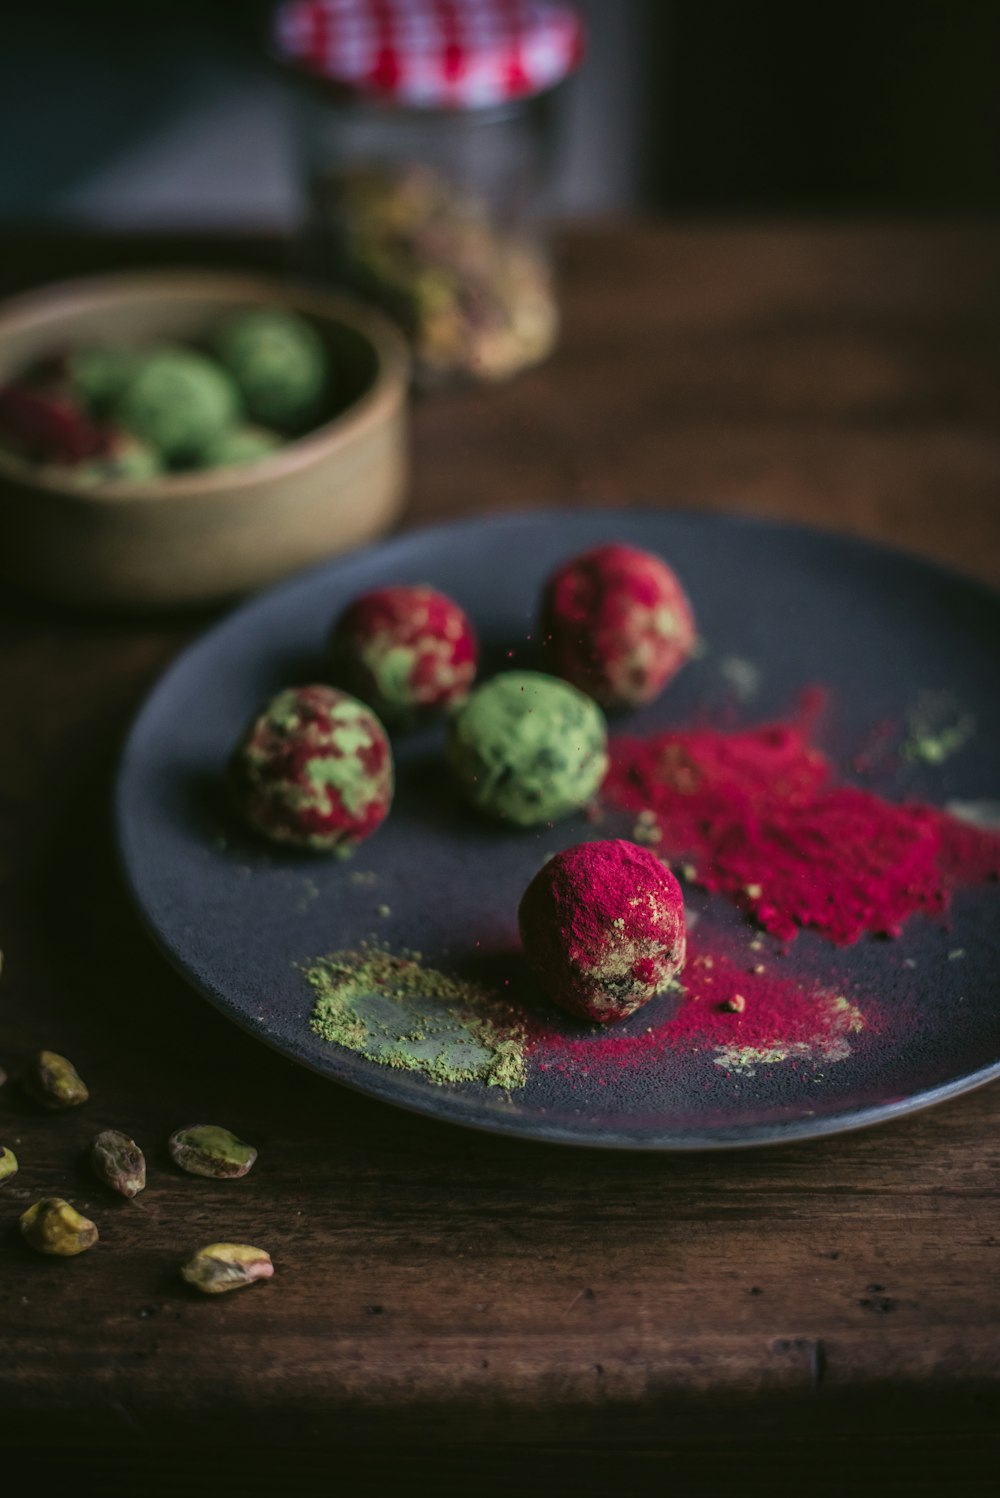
[[397, 1012]]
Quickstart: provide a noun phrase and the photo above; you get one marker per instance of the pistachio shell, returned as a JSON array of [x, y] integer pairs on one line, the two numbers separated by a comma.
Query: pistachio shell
[[118, 1162], [209, 1150], [227, 1266], [55, 1082], [52, 1226]]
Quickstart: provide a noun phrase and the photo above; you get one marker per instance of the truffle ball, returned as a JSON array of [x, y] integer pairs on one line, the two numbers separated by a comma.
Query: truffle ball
[[406, 651], [126, 461], [617, 624], [98, 374], [46, 424], [179, 402], [279, 363], [314, 771], [602, 925], [244, 444], [528, 748]]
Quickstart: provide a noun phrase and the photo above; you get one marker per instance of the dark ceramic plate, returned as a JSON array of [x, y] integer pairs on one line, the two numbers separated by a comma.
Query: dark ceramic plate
[[778, 608]]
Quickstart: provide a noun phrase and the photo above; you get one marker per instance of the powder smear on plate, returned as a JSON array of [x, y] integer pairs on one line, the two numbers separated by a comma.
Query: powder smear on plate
[[742, 1018], [762, 820], [395, 1011], [758, 816]]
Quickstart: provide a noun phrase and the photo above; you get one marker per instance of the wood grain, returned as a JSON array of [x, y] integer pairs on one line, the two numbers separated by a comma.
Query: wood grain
[[843, 377], [435, 1286]]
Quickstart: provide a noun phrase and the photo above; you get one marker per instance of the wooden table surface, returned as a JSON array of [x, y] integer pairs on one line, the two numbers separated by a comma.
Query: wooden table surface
[[532, 1312]]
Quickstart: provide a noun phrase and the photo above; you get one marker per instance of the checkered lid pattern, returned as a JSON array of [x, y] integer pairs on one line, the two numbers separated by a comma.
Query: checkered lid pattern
[[433, 54]]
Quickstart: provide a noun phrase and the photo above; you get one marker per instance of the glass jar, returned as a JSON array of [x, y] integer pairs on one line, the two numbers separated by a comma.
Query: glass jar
[[426, 180]]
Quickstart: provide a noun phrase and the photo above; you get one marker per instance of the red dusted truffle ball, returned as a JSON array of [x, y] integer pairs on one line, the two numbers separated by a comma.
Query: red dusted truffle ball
[[314, 771], [617, 624], [45, 424], [602, 925], [408, 651]]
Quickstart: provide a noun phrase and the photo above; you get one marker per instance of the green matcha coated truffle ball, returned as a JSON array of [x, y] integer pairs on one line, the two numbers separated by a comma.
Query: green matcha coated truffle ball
[[98, 374], [179, 402], [528, 748], [279, 363], [240, 445]]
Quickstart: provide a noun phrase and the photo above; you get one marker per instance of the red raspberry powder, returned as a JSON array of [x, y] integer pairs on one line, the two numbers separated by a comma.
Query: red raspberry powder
[[761, 819], [734, 1009]]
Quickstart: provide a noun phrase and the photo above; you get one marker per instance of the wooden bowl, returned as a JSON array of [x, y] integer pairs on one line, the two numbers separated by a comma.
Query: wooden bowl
[[194, 536]]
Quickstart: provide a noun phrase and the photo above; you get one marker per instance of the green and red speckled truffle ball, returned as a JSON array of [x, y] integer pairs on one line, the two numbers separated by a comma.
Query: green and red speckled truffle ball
[[602, 925], [617, 624], [314, 771], [407, 651]]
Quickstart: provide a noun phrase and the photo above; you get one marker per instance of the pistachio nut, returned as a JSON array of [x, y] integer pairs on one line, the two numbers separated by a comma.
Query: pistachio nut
[[55, 1082], [208, 1150], [52, 1226], [118, 1162], [227, 1266], [8, 1165], [3, 1076]]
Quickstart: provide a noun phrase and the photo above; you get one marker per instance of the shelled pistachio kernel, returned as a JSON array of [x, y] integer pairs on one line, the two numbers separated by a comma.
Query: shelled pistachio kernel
[[227, 1266], [52, 1226], [55, 1082], [119, 1162], [8, 1165], [208, 1150]]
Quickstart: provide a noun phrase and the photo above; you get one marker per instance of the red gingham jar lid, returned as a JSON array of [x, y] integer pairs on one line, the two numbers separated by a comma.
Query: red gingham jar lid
[[433, 54]]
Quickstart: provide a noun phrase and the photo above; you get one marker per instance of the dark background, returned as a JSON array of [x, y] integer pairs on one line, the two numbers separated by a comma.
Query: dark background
[[891, 104], [165, 114]]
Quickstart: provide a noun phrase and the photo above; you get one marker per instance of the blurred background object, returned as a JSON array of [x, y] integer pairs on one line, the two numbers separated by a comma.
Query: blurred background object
[[168, 116], [207, 518], [425, 149]]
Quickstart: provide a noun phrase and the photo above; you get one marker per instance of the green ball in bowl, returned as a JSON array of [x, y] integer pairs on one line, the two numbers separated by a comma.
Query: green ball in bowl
[[179, 402], [98, 374], [279, 364], [240, 445]]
